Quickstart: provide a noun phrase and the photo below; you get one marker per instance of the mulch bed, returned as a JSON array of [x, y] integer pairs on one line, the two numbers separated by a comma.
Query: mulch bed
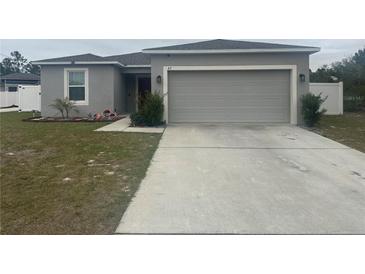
[[39, 119]]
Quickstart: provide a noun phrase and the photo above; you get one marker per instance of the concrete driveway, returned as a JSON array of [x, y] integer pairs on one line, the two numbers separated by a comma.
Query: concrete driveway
[[249, 180]]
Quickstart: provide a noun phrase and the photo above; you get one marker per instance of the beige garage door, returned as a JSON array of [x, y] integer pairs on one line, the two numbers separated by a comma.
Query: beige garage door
[[229, 96]]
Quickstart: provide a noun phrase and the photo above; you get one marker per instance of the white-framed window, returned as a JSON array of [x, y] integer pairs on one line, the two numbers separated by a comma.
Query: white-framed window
[[76, 85]]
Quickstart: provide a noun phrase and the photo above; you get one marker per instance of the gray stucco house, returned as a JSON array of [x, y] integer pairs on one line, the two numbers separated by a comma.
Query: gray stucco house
[[209, 81]]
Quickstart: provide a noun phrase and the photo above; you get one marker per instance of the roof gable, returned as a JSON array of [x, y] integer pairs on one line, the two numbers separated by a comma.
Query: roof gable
[[134, 59]]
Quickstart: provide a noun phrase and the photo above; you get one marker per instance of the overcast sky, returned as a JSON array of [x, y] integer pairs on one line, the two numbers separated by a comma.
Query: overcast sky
[[331, 50]]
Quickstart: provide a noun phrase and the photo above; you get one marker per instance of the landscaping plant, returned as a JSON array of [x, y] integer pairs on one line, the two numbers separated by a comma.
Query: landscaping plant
[[137, 119], [64, 106], [151, 113], [353, 103], [152, 110], [311, 105]]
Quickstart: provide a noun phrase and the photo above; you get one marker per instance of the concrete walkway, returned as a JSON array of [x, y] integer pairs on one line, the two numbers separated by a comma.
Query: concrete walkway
[[123, 125], [119, 125], [249, 180]]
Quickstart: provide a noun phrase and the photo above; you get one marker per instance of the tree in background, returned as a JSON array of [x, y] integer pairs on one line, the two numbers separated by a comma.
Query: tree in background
[[17, 63], [351, 71]]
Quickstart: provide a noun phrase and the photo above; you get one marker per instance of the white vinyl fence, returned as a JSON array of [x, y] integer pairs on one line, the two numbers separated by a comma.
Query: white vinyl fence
[[334, 93], [27, 98], [8, 99]]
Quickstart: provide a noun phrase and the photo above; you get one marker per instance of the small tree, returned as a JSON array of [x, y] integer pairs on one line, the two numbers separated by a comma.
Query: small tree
[[64, 106], [58, 105], [69, 106], [311, 105]]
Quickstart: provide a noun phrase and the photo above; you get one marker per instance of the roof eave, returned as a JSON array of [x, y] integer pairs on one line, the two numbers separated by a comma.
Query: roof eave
[[137, 66], [217, 51], [40, 63]]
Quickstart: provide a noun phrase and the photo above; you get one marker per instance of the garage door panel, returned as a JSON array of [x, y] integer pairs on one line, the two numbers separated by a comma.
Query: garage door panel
[[235, 102], [229, 96], [234, 116]]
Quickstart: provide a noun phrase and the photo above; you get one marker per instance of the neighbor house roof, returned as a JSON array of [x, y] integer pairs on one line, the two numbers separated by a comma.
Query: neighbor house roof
[[226, 46], [21, 76]]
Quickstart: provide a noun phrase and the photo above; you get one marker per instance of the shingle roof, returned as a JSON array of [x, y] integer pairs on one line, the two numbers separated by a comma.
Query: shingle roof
[[20, 76], [220, 44], [136, 58], [81, 58], [143, 58]]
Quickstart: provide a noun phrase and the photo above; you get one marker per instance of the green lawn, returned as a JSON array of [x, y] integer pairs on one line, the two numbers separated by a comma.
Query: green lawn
[[103, 171], [348, 129]]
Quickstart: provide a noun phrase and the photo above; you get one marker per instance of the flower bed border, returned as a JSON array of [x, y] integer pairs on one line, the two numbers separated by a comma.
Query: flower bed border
[[72, 120]]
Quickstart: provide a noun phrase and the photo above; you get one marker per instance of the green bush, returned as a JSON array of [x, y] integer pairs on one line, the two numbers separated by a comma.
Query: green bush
[[310, 108], [152, 109], [151, 112], [353, 103], [137, 119], [355, 91]]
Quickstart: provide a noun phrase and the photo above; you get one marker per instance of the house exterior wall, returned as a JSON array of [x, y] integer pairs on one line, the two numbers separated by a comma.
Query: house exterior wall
[[130, 70], [301, 60], [103, 88]]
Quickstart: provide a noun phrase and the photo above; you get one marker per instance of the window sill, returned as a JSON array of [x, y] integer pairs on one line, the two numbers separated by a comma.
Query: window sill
[[77, 103]]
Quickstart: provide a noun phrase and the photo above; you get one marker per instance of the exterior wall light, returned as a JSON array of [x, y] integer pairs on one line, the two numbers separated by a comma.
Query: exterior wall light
[[302, 77], [159, 79]]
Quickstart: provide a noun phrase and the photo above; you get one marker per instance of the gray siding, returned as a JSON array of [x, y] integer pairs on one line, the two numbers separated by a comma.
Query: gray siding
[[299, 59], [229, 96], [103, 87]]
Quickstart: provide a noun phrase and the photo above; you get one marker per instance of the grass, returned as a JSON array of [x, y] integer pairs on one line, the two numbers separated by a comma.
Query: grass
[[348, 129], [103, 169]]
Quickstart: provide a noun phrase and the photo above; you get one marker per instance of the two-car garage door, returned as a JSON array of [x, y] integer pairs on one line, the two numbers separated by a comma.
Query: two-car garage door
[[229, 96]]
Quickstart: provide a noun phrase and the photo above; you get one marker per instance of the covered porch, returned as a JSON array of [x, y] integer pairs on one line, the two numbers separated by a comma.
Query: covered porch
[[137, 86]]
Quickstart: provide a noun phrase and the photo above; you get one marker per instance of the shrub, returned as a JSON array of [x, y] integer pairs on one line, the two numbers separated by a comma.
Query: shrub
[[310, 108], [152, 109], [64, 106], [353, 103], [151, 112], [137, 119], [355, 91]]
